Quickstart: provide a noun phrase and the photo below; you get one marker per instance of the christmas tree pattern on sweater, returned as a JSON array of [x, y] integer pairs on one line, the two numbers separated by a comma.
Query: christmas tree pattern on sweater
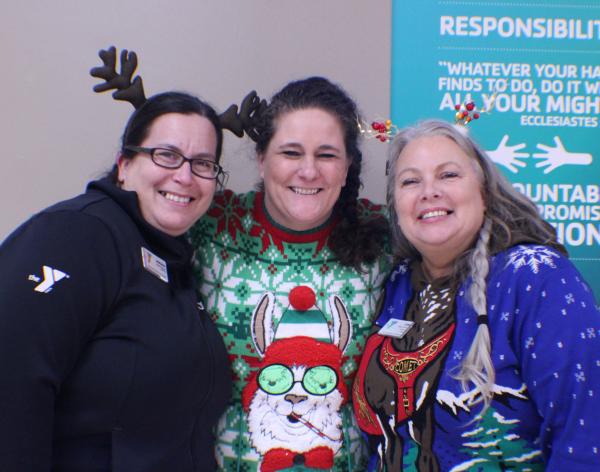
[[545, 334]]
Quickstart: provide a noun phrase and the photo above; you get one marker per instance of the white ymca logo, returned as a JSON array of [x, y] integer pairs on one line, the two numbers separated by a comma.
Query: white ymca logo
[[51, 276]]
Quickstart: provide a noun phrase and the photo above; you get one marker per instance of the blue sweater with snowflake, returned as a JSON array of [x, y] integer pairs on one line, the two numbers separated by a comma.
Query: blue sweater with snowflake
[[545, 334]]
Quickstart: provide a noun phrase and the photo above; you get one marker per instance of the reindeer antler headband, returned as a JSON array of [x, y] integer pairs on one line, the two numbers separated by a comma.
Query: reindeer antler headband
[[132, 91]]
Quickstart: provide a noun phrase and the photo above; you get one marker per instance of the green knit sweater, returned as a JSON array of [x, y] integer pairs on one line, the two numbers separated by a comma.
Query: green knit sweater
[[249, 266]]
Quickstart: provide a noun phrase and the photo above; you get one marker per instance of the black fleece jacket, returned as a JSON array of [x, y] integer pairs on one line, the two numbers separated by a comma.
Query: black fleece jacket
[[104, 365]]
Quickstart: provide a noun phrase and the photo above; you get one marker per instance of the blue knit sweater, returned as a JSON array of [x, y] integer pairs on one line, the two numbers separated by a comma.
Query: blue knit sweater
[[545, 334]]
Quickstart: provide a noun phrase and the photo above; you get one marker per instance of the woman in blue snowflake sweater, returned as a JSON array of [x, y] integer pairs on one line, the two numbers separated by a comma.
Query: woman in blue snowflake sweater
[[486, 351]]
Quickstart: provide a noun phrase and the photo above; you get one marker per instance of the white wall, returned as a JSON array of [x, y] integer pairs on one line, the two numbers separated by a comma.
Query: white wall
[[56, 134]]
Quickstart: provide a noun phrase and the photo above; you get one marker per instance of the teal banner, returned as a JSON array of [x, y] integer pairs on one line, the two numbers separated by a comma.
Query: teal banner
[[533, 71]]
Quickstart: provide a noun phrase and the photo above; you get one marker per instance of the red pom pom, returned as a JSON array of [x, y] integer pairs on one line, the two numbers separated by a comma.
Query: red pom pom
[[476, 115], [302, 297], [457, 107], [470, 106]]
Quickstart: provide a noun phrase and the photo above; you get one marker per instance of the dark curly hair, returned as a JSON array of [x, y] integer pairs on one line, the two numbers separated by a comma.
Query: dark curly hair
[[354, 241]]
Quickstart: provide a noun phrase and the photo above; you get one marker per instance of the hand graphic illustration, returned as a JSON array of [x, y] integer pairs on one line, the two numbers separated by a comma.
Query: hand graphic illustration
[[507, 155], [557, 156]]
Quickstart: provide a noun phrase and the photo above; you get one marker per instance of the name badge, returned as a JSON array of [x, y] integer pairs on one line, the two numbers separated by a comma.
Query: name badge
[[396, 328], [155, 265]]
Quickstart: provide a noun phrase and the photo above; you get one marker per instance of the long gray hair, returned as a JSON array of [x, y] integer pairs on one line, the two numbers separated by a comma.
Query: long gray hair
[[510, 217]]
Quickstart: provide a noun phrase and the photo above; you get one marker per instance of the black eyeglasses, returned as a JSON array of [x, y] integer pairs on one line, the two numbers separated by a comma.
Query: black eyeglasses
[[170, 159]]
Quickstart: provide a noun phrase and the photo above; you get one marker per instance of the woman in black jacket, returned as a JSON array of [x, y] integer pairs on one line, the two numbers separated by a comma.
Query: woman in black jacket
[[107, 358]]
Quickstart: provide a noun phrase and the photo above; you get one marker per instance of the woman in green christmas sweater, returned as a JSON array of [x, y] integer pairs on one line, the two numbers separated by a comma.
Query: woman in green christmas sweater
[[291, 275]]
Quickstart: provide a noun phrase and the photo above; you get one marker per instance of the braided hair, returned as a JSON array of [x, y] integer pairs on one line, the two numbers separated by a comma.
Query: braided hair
[[353, 241], [477, 367]]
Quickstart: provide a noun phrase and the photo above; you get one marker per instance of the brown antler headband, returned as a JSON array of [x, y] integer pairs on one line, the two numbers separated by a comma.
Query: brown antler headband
[[133, 92], [125, 89]]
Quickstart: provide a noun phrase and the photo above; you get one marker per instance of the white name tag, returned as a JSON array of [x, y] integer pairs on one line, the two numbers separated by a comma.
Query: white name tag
[[155, 265], [396, 328]]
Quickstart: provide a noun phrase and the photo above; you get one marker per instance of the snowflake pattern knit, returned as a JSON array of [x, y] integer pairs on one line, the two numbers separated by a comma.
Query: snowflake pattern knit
[[293, 360], [545, 336]]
